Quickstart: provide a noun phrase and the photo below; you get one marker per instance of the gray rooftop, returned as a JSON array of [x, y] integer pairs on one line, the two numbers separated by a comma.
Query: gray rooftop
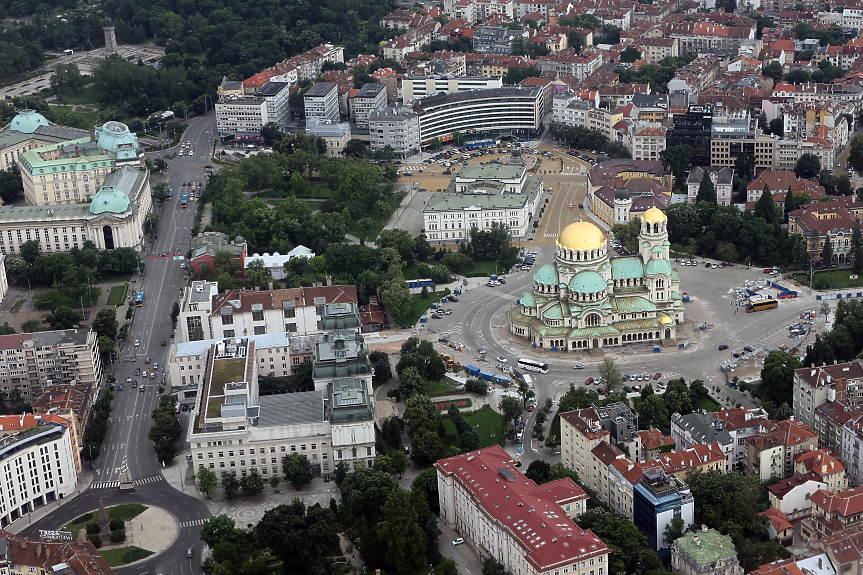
[[703, 430], [52, 134], [271, 89], [514, 92], [202, 295], [491, 171], [402, 113], [320, 89], [349, 400], [291, 409], [58, 337], [314, 127], [370, 91]]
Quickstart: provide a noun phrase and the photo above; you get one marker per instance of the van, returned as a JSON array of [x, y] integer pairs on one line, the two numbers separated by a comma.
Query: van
[[527, 379]]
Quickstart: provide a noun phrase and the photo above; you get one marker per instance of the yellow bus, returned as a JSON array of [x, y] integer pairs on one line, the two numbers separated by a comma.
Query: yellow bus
[[761, 305]]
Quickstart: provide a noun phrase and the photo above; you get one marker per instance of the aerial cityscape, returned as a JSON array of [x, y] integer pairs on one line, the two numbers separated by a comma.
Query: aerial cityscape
[[477, 287]]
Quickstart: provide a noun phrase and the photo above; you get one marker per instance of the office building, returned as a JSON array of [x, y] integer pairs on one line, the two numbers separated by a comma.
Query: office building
[[322, 102], [693, 128], [396, 128], [658, 499], [370, 98], [45, 452], [771, 452], [415, 87], [528, 528]]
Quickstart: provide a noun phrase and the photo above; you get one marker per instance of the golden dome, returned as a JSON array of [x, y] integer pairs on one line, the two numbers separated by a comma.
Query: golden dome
[[665, 320], [581, 236], [654, 215]]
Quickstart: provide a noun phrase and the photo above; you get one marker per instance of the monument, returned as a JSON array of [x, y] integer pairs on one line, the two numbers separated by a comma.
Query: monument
[[110, 38], [104, 523]]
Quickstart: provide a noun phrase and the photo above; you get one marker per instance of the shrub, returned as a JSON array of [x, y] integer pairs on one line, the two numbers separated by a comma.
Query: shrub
[[84, 518], [477, 386], [92, 528], [96, 540], [118, 536], [117, 524]]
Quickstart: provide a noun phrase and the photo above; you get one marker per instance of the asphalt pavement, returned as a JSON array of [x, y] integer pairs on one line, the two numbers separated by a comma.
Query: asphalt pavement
[[127, 451]]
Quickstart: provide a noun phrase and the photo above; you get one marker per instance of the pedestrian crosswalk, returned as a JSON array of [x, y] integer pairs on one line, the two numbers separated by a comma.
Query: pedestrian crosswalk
[[192, 523], [552, 235], [137, 482]]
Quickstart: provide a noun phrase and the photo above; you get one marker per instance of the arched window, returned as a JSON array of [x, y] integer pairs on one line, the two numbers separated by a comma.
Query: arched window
[[655, 228], [592, 320]]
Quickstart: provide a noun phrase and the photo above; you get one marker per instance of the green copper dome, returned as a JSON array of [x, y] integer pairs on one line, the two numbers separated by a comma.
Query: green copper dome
[[658, 266], [547, 275], [27, 121], [587, 282], [110, 201], [115, 137], [527, 300]]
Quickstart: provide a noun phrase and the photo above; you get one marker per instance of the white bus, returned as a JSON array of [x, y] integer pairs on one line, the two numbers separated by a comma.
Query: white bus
[[532, 365]]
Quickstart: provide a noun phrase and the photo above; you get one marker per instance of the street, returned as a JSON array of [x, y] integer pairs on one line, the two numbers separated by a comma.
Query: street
[[126, 449]]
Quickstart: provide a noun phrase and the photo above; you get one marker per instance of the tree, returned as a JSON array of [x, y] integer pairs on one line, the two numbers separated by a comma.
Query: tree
[[491, 566], [673, 531], [576, 40], [677, 158], [827, 252], [524, 391], [612, 380], [777, 127], [230, 484], [300, 536], [252, 483], [538, 471], [628, 544], [392, 429], [773, 71], [510, 408], [653, 413], [206, 481], [630, 55], [843, 185], [220, 529], [706, 191], [808, 166], [856, 246], [728, 502], [105, 323], [166, 428], [30, 251], [64, 318], [406, 542], [764, 207], [364, 492], [855, 152], [744, 165], [778, 377], [297, 470], [106, 347]]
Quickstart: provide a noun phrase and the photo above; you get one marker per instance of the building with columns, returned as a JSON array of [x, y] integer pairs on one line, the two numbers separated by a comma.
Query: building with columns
[[585, 299]]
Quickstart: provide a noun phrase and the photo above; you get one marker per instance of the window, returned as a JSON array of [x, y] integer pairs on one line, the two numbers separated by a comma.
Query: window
[[260, 329], [257, 315]]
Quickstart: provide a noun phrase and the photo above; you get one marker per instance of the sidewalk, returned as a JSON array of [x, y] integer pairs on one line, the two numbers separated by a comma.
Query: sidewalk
[[84, 482]]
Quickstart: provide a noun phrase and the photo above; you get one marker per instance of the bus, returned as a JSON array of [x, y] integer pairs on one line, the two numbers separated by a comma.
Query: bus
[[184, 200], [761, 305], [139, 299], [169, 194], [532, 365]]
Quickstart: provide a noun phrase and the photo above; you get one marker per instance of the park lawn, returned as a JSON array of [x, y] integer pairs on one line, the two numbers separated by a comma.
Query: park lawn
[[484, 421], [124, 555], [708, 404], [59, 299], [445, 385], [486, 268], [87, 96], [117, 296], [91, 117], [838, 278], [126, 511], [420, 305], [378, 222]]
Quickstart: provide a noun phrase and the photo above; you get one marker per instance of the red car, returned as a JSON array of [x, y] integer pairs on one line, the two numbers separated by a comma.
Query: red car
[[600, 391], [530, 408], [787, 296], [657, 376], [588, 381]]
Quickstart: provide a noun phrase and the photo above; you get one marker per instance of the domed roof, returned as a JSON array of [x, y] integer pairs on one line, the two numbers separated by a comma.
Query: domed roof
[[665, 320], [527, 300], [654, 215], [622, 194], [113, 136], [581, 236], [658, 266], [27, 121], [547, 275], [587, 282], [109, 200]]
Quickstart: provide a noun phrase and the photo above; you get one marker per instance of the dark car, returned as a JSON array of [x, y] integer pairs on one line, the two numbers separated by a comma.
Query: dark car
[[137, 371], [164, 343], [627, 389], [735, 354], [749, 348], [707, 265], [723, 347]]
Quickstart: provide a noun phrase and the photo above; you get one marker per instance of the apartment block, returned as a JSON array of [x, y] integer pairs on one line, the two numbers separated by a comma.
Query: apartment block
[[528, 528], [396, 128], [370, 98], [792, 496], [833, 513], [648, 141], [771, 452], [52, 554], [727, 427], [722, 179], [322, 102], [826, 465], [815, 385]]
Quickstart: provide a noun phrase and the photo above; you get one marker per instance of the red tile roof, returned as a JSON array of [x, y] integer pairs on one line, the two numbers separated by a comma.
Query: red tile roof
[[529, 512], [653, 439], [844, 503]]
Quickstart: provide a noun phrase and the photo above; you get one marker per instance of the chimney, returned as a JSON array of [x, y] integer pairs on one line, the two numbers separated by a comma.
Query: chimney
[[92, 134], [77, 152], [270, 286]]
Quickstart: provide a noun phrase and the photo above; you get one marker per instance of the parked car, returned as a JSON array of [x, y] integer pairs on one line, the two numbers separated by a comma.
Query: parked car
[[723, 347], [588, 381], [600, 391], [749, 348], [578, 366], [627, 389], [501, 359], [657, 375], [458, 541]]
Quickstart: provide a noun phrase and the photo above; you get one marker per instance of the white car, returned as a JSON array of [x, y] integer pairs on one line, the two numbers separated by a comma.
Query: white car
[[598, 380], [501, 359], [578, 366], [458, 541]]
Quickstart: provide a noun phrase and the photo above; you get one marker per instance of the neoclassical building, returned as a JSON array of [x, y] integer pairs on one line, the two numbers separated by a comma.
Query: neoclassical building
[[585, 299]]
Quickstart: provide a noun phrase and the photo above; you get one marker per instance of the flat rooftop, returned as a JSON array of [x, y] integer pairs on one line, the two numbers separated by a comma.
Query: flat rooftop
[[306, 407], [231, 370], [320, 89]]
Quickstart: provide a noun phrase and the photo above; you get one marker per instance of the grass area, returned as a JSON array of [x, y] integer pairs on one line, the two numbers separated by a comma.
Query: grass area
[[483, 269], [214, 406], [419, 305], [117, 295], [487, 422], [200, 56], [443, 386], [837, 278], [52, 299], [91, 117], [318, 192], [126, 511], [124, 555], [708, 404], [87, 96], [378, 222], [228, 371], [113, 278]]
